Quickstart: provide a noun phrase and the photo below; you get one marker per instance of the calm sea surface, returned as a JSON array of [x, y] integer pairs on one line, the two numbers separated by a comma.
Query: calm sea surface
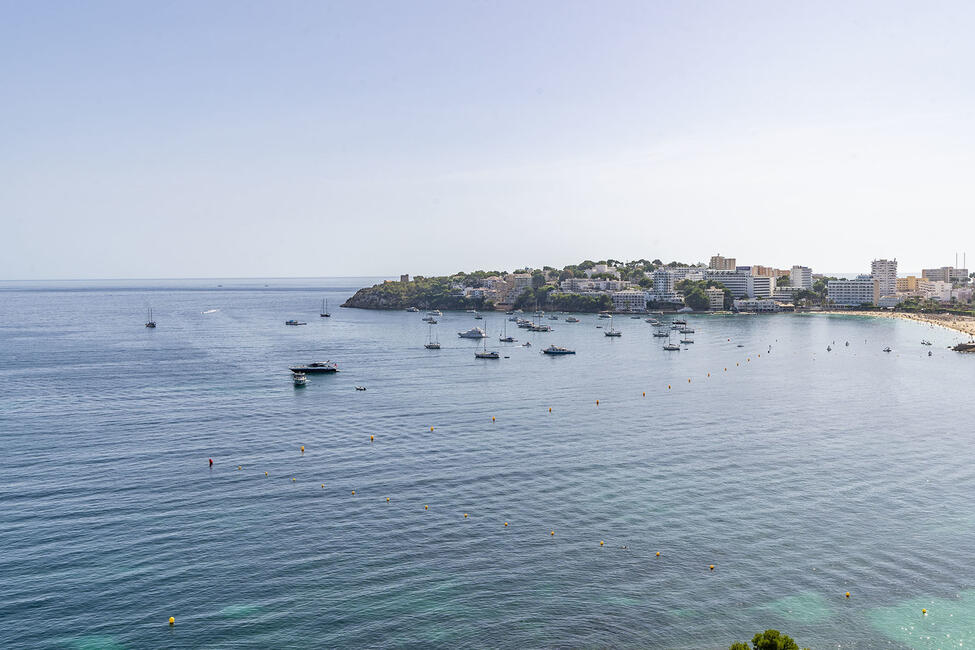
[[801, 474]]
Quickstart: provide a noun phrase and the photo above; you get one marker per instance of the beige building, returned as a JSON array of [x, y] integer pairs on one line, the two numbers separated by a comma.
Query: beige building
[[719, 263]]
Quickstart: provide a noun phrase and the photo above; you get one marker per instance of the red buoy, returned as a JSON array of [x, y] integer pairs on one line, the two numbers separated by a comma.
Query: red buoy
[[211, 462]]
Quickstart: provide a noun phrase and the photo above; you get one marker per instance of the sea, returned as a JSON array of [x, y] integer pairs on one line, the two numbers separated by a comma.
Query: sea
[[624, 496]]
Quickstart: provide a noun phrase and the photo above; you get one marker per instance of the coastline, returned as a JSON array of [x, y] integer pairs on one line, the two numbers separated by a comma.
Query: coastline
[[962, 324]]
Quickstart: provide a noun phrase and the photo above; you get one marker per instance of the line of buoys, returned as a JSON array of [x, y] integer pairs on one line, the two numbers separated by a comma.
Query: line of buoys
[[172, 620]]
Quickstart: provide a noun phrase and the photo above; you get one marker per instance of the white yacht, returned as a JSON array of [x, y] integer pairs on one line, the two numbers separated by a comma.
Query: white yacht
[[472, 333], [299, 378]]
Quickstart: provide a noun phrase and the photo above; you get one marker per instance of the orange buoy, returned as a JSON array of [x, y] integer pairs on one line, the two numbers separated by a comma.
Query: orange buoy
[[387, 499], [668, 386], [550, 409], [711, 567], [597, 402], [353, 492], [426, 507], [506, 524], [302, 449], [644, 393], [553, 533], [848, 594], [465, 515], [492, 418], [211, 462], [371, 438], [688, 380], [658, 553]]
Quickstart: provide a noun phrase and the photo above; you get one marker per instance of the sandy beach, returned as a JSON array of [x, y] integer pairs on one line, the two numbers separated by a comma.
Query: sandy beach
[[963, 324]]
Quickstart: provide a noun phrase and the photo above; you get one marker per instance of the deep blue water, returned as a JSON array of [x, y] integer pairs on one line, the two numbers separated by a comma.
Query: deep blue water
[[801, 474]]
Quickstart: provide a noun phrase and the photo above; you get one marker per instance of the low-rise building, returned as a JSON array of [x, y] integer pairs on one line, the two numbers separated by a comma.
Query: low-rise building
[[758, 305], [630, 300]]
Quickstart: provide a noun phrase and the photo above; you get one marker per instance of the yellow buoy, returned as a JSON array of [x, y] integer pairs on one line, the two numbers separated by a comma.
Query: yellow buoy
[[550, 409], [506, 524], [644, 393], [668, 386], [553, 533], [658, 553], [426, 507], [371, 438], [492, 418], [172, 620], [600, 542], [431, 428], [711, 566], [387, 499], [323, 486], [597, 402], [240, 467], [465, 515], [353, 492], [923, 611], [293, 478], [265, 473], [302, 449], [848, 594]]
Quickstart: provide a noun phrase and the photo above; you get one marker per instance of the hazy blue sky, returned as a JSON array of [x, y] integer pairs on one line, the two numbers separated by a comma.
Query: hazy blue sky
[[187, 139]]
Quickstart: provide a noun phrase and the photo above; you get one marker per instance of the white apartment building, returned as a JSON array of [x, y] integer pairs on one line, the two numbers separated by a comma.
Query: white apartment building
[[945, 274], [801, 277], [743, 283], [885, 273], [853, 293], [715, 298], [756, 304], [630, 300], [940, 291]]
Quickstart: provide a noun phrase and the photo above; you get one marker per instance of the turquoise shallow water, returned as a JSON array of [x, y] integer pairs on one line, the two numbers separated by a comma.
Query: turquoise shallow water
[[801, 474]]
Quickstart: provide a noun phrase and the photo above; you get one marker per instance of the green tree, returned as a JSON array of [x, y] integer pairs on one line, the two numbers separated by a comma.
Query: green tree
[[768, 640], [783, 281], [538, 279]]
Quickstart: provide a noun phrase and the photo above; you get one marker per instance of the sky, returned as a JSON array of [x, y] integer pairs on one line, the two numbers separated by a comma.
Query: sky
[[273, 139]]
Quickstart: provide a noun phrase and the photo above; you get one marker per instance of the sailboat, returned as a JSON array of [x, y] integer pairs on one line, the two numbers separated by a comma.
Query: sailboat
[[612, 331], [324, 313], [149, 322], [671, 347], [485, 354], [504, 338], [431, 344]]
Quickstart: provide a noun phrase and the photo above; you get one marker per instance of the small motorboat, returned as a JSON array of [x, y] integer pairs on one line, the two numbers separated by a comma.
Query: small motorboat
[[432, 346], [487, 355], [360, 387], [294, 322], [672, 347], [299, 378], [888, 349], [571, 319], [526, 344]]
